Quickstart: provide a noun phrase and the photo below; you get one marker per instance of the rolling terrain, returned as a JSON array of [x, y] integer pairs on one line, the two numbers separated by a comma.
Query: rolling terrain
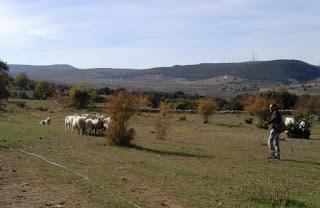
[[215, 79], [220, 164]]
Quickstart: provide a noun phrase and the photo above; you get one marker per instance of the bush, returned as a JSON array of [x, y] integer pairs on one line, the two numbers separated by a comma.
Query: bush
[[22, 95], [309, 104], [183, 104], [162, 124], [248, 120], [258, 105], [80, 96], [206, 107], [283, 98], [161, 127], [121, 108], [164, 108], [300, 128], [22, 81], [44, 90], [234, 104]]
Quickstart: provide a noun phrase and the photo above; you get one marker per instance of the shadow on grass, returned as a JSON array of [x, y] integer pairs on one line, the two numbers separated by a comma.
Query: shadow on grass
[[170, 153], [289, 203], [302, 162]]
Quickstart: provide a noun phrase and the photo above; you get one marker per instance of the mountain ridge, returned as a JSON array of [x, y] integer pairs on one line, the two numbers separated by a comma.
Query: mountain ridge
[[280, 70]]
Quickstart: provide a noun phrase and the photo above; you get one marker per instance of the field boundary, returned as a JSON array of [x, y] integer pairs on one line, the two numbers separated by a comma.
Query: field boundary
[[69, 170]]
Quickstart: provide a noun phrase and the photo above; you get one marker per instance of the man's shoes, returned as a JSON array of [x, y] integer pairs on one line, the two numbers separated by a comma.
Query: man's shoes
[[277, 157]]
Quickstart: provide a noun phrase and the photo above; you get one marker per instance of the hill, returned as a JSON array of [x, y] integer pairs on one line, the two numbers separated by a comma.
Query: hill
[[276, 70], [223, 80]]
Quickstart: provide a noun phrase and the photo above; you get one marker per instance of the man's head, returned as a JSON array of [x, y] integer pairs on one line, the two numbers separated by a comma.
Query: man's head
[[272, 107]]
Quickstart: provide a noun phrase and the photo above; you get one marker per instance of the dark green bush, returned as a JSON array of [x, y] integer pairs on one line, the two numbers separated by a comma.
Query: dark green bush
[[300, 128], [248, 120]]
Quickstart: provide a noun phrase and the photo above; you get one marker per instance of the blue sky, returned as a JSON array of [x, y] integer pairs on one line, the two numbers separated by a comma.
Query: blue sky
[[150, 33]]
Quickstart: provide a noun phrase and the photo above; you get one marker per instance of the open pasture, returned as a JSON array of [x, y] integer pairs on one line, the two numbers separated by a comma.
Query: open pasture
[[220, 164]]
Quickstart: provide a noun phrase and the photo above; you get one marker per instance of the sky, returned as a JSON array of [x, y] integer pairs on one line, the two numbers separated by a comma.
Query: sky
[[150, 33]]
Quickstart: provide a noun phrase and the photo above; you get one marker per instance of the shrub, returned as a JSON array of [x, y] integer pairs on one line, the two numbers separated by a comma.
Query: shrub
[[21, 95], [300, 128], [234, 103], [182, 118], [164, 108], [206, 107], [141, 101], [258, 105], [283, 98], [161, 127], [61, 98], [22, 81], [248, 120], [309, 104], [183, 104], [121, 108], [44, 90], [80, 95]]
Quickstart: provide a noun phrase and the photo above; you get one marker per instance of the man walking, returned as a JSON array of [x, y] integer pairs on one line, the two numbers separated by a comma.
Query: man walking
[[276, 129]]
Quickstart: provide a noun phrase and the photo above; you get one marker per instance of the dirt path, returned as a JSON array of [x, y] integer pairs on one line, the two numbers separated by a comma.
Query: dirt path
[[22, 184]]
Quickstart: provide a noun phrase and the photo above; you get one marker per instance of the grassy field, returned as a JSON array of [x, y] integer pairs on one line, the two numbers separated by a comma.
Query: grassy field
[[220, 164]]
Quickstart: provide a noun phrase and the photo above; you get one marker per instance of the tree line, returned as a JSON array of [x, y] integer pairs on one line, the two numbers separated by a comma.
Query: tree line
[[81, 95]]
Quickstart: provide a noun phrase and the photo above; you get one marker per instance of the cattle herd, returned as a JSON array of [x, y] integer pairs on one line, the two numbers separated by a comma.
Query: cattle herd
[[85, 124]]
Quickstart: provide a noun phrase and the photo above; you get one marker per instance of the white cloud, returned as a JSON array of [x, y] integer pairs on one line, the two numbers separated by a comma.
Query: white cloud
[[19, 28]]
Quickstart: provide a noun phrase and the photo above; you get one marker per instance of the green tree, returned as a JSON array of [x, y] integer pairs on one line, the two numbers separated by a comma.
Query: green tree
[[183, 104], [4, 80], [44, 90], [80, 95], [22, 81]]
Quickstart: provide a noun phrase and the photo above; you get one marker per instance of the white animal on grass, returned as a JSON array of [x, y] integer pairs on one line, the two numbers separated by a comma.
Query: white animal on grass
[[68, 122], [78, 125], [45, 121]]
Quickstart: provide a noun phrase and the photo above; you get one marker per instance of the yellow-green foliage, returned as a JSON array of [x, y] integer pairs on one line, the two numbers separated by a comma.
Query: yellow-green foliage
[[44, 89], [80, 95], [206, 106], [257, 105]]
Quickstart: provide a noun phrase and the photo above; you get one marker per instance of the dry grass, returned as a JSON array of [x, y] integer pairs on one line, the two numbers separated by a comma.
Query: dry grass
[[195, 166]]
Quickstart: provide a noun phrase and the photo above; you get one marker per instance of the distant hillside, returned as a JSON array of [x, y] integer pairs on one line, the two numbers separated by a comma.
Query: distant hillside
[[65, 73], [224, 80], [276, 70]]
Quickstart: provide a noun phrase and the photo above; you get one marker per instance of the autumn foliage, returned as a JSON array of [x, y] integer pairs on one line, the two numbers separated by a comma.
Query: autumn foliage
[[162, 123], [258, 105], [121, 108], [206, 107]]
